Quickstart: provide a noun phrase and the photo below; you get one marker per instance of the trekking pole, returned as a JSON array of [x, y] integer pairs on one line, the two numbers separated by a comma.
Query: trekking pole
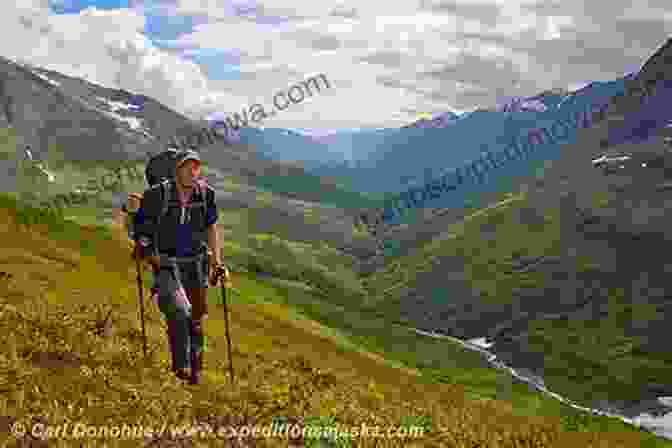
[[223, 277], [142, 306]]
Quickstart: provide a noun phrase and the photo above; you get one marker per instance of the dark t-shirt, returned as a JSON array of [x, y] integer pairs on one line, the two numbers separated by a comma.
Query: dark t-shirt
[[184, 244]]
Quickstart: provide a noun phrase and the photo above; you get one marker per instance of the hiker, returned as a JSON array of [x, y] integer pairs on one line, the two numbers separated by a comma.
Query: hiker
[[174, 229]]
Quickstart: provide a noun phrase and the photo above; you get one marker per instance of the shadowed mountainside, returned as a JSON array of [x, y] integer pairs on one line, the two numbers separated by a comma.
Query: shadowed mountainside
[[569, 278]]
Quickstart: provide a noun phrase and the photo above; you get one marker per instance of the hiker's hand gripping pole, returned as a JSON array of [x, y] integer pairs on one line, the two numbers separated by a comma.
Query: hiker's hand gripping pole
[[221, 274]]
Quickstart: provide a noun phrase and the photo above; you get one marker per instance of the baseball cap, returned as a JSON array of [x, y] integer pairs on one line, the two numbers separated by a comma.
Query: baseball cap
[[188, 154]]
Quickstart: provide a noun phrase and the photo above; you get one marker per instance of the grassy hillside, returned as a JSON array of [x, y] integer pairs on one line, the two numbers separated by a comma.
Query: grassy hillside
[[610, 355], [458, 238], [248, 248], [65, 362], [245, 208], [375, 370], [310, 185]]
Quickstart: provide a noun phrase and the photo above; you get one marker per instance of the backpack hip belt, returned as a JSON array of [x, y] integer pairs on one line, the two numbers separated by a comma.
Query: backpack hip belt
[[170, 264], [166, 260]]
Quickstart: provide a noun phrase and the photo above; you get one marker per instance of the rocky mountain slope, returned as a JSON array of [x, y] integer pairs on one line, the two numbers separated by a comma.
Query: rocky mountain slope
[[392, 160], [83, 124]]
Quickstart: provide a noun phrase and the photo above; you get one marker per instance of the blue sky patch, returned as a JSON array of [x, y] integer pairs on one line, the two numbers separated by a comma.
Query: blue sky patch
[[165, 27], [217, 64], [76, 6]]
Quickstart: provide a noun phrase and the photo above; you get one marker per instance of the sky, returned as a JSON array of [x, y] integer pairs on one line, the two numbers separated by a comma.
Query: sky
[[388, 63]]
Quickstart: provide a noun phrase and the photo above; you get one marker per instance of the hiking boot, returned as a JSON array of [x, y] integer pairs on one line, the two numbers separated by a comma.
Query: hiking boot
[[182, 374]]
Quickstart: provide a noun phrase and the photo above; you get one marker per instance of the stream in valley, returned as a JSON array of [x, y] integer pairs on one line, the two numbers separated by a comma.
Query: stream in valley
[[659, 425]]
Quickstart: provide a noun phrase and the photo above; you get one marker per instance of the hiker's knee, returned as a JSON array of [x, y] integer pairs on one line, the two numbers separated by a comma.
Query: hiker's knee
[[197, 327], [173, 310]]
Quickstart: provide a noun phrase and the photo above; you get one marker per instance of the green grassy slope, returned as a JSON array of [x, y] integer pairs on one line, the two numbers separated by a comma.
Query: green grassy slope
[[65, 363], [608, 359], [312, 348], [298, 186]]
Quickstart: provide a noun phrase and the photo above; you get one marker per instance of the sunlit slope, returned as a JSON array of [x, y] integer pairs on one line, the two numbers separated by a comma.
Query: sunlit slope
[[69, 321]]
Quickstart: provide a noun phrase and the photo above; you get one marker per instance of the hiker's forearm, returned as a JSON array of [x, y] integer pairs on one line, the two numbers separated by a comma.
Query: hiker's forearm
[[213, 243]]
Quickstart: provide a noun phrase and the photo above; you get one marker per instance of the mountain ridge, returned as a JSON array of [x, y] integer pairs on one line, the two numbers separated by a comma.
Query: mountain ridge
[[570, 271]]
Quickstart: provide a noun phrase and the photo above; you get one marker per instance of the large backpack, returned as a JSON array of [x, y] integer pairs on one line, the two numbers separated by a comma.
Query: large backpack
[[160, 171], [161, 167]]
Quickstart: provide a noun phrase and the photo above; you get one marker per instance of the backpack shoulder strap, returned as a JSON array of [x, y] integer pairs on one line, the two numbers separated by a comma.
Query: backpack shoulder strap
[[166, 192], [201, 191]]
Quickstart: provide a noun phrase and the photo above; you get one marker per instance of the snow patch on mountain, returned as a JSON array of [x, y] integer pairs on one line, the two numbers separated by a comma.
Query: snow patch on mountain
[[134, 123], [45, 78], [117, 105]]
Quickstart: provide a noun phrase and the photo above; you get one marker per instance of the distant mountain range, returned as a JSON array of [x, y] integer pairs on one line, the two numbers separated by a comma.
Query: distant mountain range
[[391, 160]]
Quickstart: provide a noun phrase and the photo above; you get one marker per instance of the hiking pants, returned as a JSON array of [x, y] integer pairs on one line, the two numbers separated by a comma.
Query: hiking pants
[[185, 333]]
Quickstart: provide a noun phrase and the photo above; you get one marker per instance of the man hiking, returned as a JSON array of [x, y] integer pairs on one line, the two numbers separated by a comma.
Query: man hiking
[[174, 229]]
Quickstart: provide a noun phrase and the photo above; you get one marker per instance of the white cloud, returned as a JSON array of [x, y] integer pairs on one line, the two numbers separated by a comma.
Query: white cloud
[[103, 46], [398, 43], [384, 60]]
